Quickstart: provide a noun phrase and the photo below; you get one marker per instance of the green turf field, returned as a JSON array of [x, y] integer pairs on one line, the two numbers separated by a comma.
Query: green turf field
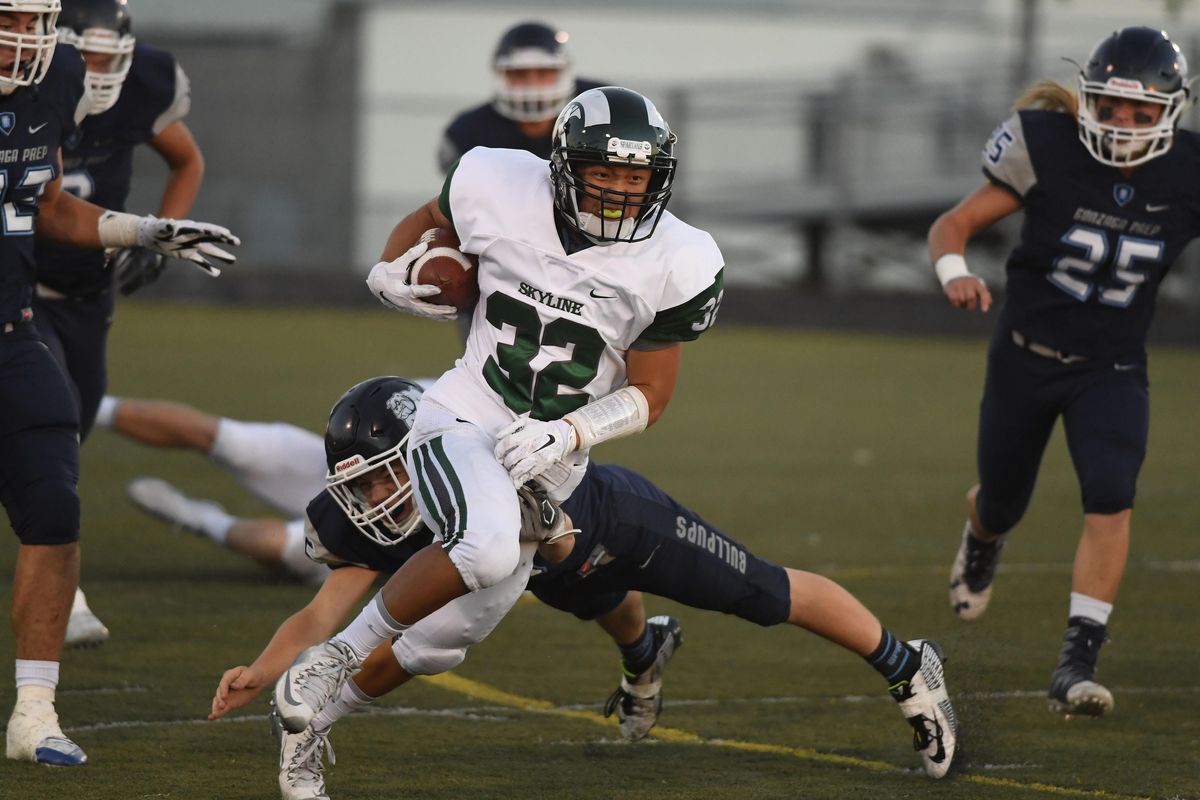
[[844, 454]]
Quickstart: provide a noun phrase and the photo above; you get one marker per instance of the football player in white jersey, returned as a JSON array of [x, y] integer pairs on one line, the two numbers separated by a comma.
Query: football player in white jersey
[[588, 288]]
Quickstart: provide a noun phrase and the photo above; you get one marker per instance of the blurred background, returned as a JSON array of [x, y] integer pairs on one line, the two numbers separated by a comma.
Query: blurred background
[[818, 138]]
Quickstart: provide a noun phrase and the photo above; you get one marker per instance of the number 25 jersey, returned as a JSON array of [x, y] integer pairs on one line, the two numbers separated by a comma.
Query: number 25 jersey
[[1095, 244], [551, 329]]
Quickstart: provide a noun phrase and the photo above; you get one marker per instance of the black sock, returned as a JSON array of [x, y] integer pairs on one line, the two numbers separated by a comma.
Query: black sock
[[894, 659], [637, 657]]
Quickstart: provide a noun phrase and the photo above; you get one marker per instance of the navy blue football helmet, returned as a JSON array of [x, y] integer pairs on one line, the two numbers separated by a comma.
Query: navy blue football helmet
[[532, 46], [368, 430], [103, 27], [1135, 63]]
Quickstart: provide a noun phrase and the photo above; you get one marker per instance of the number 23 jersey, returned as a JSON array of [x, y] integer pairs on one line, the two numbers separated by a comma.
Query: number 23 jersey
[[1095, 244], [551, 329]]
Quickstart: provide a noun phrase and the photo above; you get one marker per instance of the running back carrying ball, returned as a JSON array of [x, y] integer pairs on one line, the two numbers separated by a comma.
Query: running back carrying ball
[[445, 266]]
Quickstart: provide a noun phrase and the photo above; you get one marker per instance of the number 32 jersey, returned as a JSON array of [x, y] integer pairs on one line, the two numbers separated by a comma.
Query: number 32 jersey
[[551, 329], [1095, 244]]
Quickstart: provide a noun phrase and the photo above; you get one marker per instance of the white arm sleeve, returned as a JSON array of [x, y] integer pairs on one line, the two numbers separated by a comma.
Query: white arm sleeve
[[613, 416]]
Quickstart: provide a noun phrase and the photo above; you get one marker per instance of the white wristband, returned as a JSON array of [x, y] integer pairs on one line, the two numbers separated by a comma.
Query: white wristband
[[621, 413], [119, 230], [951, 266]]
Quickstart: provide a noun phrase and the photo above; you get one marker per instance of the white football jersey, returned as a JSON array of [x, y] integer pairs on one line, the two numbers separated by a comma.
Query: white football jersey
[[551, 329]]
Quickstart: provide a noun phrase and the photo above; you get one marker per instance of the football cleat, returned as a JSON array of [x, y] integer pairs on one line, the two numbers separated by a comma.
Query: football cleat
[[1072, 688], [638, 701], [160, 499], [34, 735], [925, 703], [972, 574], [301, 772], [315, 678], [84, 628]]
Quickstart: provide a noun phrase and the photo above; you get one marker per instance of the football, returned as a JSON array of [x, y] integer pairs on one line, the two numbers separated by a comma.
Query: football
[[445, 266]]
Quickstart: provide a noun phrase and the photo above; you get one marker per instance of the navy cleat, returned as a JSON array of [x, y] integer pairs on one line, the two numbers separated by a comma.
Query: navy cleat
[[972, 574], [925, 703], [1073, 690], [638, 700]]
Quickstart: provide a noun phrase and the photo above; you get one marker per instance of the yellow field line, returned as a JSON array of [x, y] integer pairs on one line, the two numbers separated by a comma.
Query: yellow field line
[[482, 691]]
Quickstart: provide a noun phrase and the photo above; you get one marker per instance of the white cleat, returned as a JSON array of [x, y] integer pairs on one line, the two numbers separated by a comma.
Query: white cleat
[[160, 499], [34, 735], [925, 703], [84, 628], [315, 678], [301, 772], [638, 700]]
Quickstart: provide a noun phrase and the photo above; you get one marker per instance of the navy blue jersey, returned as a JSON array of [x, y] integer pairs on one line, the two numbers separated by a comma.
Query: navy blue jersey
[[1095, 244], [484, 126], [331, 538], [34, 123], [98, 161]]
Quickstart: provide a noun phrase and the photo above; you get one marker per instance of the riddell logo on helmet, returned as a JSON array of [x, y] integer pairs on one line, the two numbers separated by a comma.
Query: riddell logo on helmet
[[349, 463], [1125, 83]]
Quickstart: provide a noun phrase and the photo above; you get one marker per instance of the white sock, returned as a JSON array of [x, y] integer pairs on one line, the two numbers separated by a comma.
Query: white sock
[[1089, 608], [35, 675], [372, 627], [107, 411], [349, 698]]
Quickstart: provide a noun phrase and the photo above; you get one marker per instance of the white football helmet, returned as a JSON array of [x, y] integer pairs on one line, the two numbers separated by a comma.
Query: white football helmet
[[25, 55], [100, 26]]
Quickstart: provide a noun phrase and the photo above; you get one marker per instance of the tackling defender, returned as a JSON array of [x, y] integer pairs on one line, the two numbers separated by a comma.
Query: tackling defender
[[367, 523]]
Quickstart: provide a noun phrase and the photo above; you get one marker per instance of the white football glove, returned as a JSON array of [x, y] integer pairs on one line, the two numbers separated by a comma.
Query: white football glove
[[542, 520], [529, 447], [388, 280], [188, 240]]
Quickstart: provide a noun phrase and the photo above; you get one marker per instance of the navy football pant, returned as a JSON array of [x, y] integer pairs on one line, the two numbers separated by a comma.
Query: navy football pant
[[674, 555], [76, 331], [39, 444], [1105, 409]]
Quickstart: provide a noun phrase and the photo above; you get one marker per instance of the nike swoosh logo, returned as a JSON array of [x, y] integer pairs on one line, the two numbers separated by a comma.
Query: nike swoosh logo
[[287, 693], [592, 293], [549, 441], [1124, 367], [1153, 208], [36, 128]]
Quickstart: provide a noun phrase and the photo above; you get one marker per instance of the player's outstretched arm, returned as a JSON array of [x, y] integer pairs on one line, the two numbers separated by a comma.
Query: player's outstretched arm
[[314, 623]]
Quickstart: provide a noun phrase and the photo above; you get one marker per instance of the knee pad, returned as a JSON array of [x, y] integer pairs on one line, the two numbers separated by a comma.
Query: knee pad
[[46, 512], [423, 658], [485, 561]]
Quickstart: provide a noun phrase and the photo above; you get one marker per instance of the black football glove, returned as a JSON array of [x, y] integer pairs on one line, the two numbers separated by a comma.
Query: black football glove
[[136, 267]]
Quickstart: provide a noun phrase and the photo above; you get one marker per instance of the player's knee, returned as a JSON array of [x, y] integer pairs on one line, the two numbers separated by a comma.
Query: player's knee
[[427, 659], [487, 566], [47, 513], [1108, 498]]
